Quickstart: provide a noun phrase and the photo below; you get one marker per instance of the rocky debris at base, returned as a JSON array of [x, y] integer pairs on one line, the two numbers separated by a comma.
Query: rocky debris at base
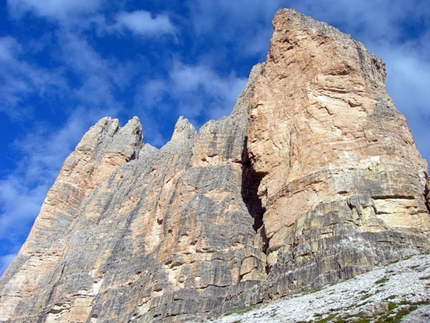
[[399, 291]]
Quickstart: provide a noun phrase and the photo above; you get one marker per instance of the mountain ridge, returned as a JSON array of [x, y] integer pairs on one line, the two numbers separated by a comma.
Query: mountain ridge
[[312, 179]]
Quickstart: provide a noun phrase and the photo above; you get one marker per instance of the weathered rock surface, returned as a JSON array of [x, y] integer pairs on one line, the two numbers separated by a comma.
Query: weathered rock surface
[[394, 293], [313, 178], [341, 179]]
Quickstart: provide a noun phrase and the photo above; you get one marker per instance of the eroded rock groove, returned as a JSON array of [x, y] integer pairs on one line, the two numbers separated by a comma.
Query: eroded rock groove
[[251, 180]]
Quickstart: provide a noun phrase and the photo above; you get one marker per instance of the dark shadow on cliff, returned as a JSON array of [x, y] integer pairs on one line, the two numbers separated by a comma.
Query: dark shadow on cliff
[[427, 192], [250, 183]]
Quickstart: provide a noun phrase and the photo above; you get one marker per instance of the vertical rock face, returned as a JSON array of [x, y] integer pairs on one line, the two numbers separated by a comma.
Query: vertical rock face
[[342, 180], [314, 177]]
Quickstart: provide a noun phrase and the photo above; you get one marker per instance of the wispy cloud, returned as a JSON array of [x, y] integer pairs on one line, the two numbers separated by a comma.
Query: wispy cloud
[[195, 91], [244, 25], [408, 85], [214, 94], [20, 79], [143, 23], [53, 9], [93, 73]]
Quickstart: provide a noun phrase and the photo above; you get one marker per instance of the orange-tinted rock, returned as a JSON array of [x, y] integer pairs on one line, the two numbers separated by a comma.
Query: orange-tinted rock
[[331, 145]]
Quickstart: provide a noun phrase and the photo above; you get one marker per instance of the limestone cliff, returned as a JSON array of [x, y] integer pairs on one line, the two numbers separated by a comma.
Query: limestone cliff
[[313, 178]]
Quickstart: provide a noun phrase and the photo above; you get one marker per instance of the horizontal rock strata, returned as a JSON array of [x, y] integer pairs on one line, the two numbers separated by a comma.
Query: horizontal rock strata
[[313, 178], [398, 292], [343, 181]]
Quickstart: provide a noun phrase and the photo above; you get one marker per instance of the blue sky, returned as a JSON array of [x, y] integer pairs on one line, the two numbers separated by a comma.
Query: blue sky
[[64, 64]]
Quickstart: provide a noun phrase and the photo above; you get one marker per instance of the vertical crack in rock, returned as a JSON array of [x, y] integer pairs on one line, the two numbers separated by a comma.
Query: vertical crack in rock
[[250, 181], [427, 192]]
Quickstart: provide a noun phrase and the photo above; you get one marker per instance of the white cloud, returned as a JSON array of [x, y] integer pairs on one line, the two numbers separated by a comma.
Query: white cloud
[[46, 160], [98, 77], [151, 93], [8, 47], [20, 204], [199, 83], [408, 84], [19, 79], [245, 25], [197, 92], [53, 9], [143, 23]]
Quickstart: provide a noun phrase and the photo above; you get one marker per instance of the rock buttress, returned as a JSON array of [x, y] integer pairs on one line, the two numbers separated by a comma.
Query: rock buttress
[[344, 183]]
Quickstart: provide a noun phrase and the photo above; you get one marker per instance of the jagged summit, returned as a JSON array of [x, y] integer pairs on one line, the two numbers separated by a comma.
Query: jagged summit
[[313, 178]]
